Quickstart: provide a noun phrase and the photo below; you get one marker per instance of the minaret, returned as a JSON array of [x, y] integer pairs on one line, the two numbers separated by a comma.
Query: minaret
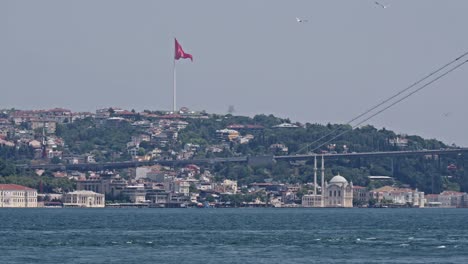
[[323, 182], [44, 141], [315, 180]]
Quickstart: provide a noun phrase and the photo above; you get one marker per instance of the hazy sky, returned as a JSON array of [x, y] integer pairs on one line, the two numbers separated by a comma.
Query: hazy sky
[[251, 54]]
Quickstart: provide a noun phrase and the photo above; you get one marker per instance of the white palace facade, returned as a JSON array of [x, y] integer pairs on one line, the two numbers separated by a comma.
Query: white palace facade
[[13, 195], [84, 199]]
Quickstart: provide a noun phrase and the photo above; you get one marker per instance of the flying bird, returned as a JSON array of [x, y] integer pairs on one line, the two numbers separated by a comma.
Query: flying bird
[[301, 20], [381, 5]]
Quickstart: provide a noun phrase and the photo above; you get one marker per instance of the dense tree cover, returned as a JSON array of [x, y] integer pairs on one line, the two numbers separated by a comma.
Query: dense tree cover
[[84, 136], [7, 168], [49, 184], [16, 153], [428, 174]]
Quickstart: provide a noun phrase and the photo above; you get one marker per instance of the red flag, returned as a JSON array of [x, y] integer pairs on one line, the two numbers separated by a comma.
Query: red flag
[[179, 52]]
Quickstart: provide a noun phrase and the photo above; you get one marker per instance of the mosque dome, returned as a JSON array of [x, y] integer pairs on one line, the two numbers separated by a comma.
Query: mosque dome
[[338, 179]]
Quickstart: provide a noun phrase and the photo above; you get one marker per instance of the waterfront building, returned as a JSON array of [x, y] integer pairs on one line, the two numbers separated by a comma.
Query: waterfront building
[[136, 194], [311, 200], [338, 192], [83, 199], [335, 193], [398, 196], [13, 195], [360, 195], [465, 200], [157, 197], [432, 200], [451, 199]]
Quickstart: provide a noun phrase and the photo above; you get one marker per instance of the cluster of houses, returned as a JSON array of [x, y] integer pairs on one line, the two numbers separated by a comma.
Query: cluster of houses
[[36, 129], [159, 131], [160, 187], [20, 128]]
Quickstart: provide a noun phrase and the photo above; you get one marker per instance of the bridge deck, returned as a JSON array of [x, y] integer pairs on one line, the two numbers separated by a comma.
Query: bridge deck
[[130, 164]]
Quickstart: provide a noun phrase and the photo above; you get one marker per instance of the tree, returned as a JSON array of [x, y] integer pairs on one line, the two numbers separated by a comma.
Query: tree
[[193, 188], [55, 160], [209, 198], [7, 168]]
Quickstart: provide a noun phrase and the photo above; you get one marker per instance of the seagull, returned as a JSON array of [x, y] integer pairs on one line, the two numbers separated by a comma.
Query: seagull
[[301, 20], [381, 5]]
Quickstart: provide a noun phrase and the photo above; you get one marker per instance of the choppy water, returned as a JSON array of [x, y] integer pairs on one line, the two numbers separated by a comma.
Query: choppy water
[[234, 235]]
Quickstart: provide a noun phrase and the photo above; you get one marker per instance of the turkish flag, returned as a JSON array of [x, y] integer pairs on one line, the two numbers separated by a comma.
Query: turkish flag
[[179, 52]]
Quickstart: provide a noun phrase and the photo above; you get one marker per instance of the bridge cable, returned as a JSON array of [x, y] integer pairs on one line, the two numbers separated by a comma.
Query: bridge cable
[[387, 100], [394, 103]]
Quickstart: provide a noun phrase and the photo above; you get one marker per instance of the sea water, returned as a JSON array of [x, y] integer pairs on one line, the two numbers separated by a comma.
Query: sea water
[[243, 235]]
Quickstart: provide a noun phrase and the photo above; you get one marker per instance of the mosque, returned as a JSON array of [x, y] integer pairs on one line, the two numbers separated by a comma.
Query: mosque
[[336, 193]]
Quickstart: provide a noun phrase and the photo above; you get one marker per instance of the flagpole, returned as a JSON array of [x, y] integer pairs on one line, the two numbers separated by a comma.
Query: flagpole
[[174, 88]]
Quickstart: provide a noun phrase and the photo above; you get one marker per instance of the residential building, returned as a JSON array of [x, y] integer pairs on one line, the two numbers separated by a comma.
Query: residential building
[[451, 199], [229, 186], [399, 142], [48, 125], [181, 186], [398, 196], [279, 148], [227, 134], [286, 125], [432, 200]]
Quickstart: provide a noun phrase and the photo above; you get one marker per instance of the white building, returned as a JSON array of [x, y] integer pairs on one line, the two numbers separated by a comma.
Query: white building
[[13, 195], [182, 187], [311, 200], [338, 193], [229, 186], [447, 199], [399, 196], [83, 199], [399, 142]]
